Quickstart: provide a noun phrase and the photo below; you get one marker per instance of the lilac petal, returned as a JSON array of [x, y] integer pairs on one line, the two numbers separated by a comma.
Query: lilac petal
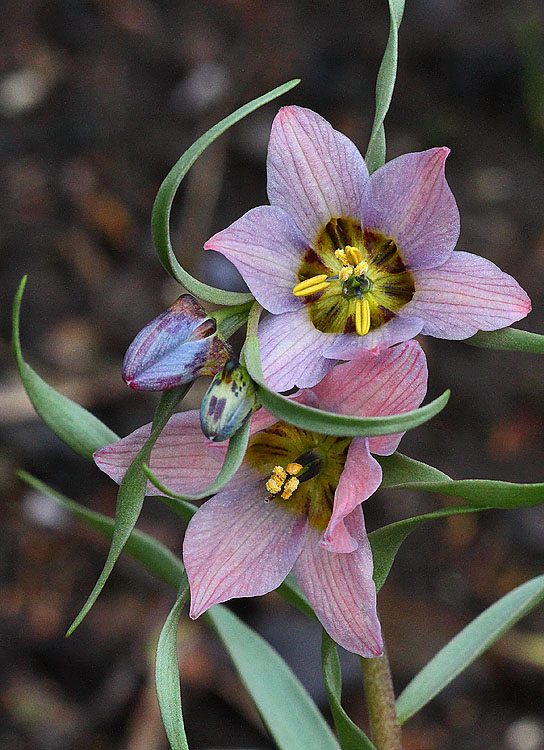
[[180, 459], [464, 295], [361, 477], [409, 200], [239, 545], [340, 588], [351, 346], [376, 385], [292, 351], [267, 249], [314, 172], [174, 348]]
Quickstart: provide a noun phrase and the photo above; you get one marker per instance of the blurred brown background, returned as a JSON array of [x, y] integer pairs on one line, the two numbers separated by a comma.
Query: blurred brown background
[[98, 99]]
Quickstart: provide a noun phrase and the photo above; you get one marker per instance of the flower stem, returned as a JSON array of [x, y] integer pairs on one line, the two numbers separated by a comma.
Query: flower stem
[[380, 700]]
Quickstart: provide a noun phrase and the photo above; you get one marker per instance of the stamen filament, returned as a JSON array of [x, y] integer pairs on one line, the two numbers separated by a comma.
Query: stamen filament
[[302, 288], [362, 316]]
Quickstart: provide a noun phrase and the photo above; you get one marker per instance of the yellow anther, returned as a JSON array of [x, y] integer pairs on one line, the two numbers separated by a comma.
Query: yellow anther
[[310, 290], [293, 468], [345, 273], [362, 316], [274, 484], [361, 268], [279, 472], [311, 286], [353, 254], [342, 257], [290, 486]]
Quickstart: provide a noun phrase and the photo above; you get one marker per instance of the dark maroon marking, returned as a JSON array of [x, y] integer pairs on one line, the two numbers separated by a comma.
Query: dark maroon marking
[[311, 257], [349, 326], [387, 314], [220, 408], [395, 291]]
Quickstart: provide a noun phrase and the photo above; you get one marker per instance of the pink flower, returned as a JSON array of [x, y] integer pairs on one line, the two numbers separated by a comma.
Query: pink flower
[[295, 502], [346, 262]]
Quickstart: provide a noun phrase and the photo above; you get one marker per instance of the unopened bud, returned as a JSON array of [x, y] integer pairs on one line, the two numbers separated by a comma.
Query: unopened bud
[[175, 348], [229, 401]]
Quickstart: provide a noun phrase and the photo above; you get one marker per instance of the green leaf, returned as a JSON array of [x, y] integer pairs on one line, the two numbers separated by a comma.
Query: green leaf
[[233, 459], [291, 716], [152, 555], [401, 472], [385, 83], [349, 734], [508, 339], [167, 674], [131, 495], [230, 319], [468, 645], [73, 424], [327, 422], [160, 219], [482, 494], [291, 592]]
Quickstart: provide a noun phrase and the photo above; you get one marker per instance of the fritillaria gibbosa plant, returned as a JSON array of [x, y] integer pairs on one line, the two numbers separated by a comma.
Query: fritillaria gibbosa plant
[[352, 259]]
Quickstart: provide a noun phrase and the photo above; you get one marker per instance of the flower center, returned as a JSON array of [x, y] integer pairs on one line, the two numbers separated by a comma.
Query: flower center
[[353, 281], [303, 485], [286, 481]]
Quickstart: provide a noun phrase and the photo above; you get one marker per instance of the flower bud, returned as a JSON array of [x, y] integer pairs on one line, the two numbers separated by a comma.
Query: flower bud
[[229, 401], [175, 348]]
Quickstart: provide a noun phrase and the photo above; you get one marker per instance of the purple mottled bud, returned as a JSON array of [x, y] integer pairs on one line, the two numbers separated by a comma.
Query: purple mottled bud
[[229, 401], [174, 348]]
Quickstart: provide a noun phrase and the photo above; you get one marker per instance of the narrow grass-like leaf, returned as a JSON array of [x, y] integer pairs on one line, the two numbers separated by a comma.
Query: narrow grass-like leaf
[[327, 422], [480, 494], [234, 457], [73, 424], [401, 472], [151, 554], [291, 592], [385, 83], [508, 339], [349, 734], [167, 674], [230, 319], [293, 719], [468, 645], [131, 495], [160, 219]]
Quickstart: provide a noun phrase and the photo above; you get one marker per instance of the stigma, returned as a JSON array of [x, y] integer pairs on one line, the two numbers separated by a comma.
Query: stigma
[[283, 481]]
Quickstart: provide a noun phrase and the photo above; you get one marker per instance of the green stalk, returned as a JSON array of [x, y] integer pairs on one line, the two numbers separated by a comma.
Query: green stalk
[[380, 699]]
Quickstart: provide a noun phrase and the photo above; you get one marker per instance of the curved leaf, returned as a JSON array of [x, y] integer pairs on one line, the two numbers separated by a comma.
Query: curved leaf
[[468, 645], [508, 339], [230, 319], [482, 494], [73, 424], [234, 457], [375, 155], [151, 554], [160, 218], [293, 719], [349, 734], [401, 472], [167, 674], [327, 422], [131, 496]]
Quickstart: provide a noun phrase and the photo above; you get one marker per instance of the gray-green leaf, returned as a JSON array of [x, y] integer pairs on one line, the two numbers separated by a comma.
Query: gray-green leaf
[[349, 734], [291, 716], [167, 674], [160, 219], [468, 645], [73, 424]]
